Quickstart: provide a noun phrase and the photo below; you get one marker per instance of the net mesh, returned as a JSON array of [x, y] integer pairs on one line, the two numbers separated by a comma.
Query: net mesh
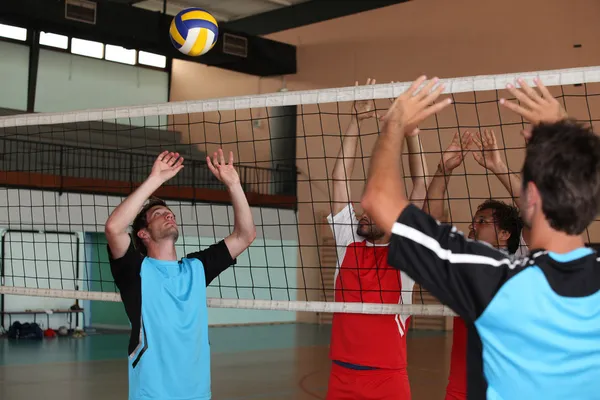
[[63, 173]]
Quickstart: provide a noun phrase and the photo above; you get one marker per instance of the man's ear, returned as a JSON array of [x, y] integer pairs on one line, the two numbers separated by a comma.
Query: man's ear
[[533, 195], [503, 235], [143, 234]]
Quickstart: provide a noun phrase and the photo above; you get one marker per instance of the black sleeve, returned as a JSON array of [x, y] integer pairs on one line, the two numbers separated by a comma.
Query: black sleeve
[[126, 270], [215, 259], [463, 274]]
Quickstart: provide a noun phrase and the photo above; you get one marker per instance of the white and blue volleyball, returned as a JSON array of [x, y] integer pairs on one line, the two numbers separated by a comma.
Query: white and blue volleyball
[[194, 31]]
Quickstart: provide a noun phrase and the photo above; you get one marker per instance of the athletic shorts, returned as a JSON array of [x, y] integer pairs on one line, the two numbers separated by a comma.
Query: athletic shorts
[[376, 384], [455, 395]]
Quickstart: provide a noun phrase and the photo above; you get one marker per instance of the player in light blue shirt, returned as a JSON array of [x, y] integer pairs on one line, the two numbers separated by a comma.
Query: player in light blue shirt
[[165, 296]]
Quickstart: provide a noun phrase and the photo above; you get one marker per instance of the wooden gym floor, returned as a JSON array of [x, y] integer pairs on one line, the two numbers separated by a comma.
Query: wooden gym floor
[[270, 362]]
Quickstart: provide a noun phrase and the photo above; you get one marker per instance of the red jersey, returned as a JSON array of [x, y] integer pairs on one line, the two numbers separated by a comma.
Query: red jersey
[[457, 380], [364, 276]]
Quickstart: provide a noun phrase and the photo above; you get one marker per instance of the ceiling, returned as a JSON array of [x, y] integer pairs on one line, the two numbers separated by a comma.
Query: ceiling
[[222, 10]]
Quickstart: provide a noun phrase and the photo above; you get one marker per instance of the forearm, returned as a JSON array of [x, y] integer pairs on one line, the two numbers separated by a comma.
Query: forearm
[[243, 221], [122, 216], [346, 157], [510, 180], [418, 168], [436, 194], [384, 197]]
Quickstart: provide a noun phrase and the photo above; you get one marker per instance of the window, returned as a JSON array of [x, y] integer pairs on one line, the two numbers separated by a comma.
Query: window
[[54, 40], [13, 32], [120, 54], [151, 59], [87, 48]]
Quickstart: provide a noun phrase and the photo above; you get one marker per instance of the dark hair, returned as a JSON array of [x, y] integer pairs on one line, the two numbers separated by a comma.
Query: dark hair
[[506, 218], [563, 161], [141, 221]]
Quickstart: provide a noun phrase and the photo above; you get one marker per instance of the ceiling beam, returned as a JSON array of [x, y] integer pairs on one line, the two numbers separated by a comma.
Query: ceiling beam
[[135, 28], [301, 14]]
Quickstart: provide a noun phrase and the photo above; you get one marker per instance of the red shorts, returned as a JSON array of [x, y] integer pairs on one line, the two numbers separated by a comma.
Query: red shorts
[[455, 395], [379, 384]]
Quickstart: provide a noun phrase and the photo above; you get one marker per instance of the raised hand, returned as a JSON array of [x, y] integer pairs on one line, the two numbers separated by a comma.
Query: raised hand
[[166, 166], [225, 172], [364, 109], [488, 155], [534, 107], [455, 153], [412, 107]]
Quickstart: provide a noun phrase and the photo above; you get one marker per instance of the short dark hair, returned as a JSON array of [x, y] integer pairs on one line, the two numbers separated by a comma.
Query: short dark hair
[[141, 221], [563, 161], [507, 219]]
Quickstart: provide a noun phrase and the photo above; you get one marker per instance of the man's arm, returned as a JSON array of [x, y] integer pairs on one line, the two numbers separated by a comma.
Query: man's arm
[[452, 157], [244, 231], [166, 166], [417, 164], [489, 157], [384, 196], [463, 274], [344, 164]]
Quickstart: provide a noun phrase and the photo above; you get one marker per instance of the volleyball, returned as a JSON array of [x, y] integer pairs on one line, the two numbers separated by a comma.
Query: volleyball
[[194, 31]]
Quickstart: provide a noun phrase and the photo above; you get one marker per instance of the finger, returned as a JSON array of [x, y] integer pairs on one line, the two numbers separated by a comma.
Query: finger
[[492, 138], [162, 155], [545, 92], [415, 85], [533, 95], [528, 115], [221, 157], [167, 158], [431, 97], [231, 158], [178, 163], [426, 91], [174, 159], [521, 96], [455, 138], [210, 164], [215, 160], [437, 107]]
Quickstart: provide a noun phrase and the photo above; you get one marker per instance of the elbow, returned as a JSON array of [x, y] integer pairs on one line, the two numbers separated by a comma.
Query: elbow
[[248, 236], [109, 228], [367, 201]]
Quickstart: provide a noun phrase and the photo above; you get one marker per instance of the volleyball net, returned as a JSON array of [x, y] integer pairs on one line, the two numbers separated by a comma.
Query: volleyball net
[[62, 174]]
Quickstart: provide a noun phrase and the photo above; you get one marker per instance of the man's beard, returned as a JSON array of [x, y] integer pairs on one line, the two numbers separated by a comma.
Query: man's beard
[[169, 232], [369, 232]]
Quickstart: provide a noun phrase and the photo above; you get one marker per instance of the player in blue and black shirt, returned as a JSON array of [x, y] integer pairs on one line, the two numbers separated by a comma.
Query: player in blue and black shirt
[[165, 296], [538, 315]]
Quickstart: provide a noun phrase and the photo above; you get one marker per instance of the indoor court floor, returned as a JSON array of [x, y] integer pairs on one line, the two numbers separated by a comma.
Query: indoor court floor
[[267, 362]]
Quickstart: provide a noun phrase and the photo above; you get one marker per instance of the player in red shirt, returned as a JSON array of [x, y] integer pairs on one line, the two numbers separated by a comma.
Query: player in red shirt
[[494, 222], [368, 351]]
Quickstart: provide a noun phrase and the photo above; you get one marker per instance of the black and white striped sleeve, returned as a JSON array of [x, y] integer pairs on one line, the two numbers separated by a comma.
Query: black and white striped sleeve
[[463, 274]]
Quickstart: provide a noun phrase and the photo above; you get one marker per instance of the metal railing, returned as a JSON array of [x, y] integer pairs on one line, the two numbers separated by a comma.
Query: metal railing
[[127, 166]]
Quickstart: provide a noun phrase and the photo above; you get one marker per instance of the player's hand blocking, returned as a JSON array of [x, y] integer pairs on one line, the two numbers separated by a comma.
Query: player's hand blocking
[[488, 155], [455, 153], [534, 107], [225, 172], [166, 166], [412, 107]]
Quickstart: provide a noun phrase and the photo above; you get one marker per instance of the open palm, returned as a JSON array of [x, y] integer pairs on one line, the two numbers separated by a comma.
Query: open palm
[[225, 172], [455, 153], [488, 155], [167, 165]]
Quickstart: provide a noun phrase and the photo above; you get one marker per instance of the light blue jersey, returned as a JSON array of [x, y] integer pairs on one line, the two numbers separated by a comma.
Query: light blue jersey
[[175, 363], [169, 351]]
